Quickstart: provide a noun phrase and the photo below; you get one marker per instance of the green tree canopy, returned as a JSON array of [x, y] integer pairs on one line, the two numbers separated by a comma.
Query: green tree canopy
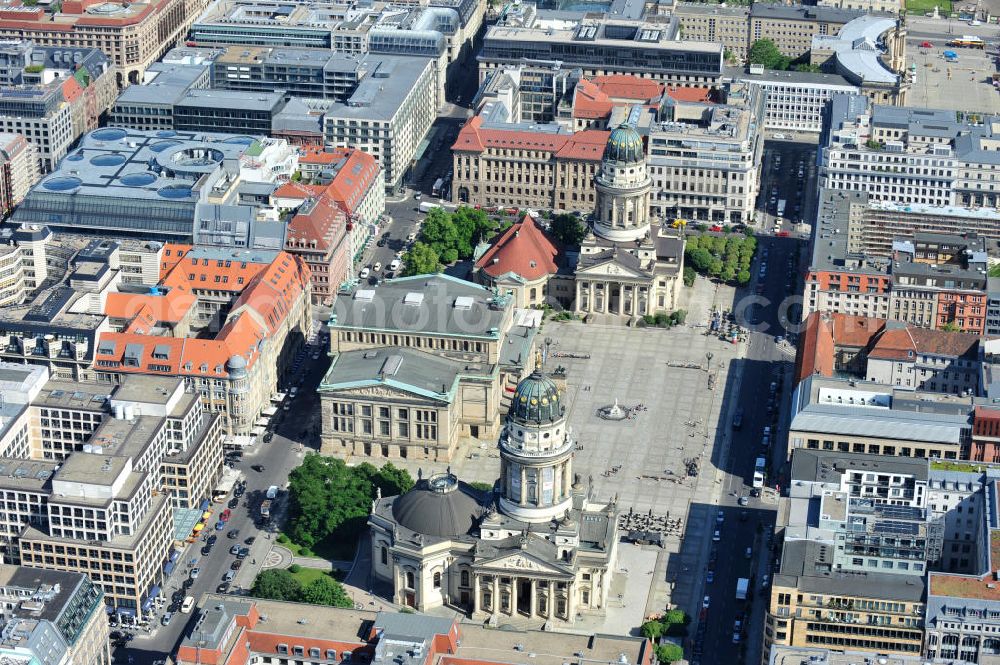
[[567, 229], [765, 52], [276, 585], [420, 260], [652, 630], [326, 591], [331, 499], [668, 653]]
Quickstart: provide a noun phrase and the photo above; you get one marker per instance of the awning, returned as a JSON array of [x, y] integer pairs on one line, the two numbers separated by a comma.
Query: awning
[[198, 527], [270, 411], [168, 567], [257, 431], [205, 504], [262, 422], [126, 611], [153, 593], [174, 555], [239, 440], [278, 398], [109, 609], [206, 515]]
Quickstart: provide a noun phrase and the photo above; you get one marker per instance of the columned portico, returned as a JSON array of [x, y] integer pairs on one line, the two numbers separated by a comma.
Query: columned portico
[[525, 596]]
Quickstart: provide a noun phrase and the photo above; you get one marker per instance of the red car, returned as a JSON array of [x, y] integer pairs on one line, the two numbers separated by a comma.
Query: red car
[[715, 228], [226, 514], [782, 234], [926, 45]]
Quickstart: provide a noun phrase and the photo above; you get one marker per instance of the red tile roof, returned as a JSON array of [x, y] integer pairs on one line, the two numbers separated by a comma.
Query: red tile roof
[[266, 294], [627, 87], [690, 94], [587, 145], [524, 250], [902, 342], [823, 333]]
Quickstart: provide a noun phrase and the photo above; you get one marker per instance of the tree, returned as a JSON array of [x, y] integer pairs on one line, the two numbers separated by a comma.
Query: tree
[[689, 276], [420, 260], [675, 615], [276, 585], [652, 630], [743, 277], [393, 480], [668, 653], [329, 499], [701, 259], [326, 591], [567, 229], [807, 67], [765, 52]]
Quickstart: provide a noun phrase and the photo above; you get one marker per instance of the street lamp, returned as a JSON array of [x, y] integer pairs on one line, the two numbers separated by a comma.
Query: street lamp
[[548, 348], [708, 357]]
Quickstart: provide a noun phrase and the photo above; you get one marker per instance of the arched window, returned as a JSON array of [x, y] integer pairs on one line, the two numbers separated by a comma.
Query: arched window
[[465, 578], [437, 580], [385, 555], [409, 579]]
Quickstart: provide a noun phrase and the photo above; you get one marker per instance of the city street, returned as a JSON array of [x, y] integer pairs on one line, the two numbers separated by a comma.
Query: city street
[[277, 459], [742, 527]]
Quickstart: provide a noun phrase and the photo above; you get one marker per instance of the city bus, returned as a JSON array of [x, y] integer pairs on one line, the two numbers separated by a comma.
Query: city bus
[[758, 472], [968, 41]]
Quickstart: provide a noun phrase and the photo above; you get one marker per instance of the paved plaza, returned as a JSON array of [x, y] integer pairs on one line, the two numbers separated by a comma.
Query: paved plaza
[[667, 372]]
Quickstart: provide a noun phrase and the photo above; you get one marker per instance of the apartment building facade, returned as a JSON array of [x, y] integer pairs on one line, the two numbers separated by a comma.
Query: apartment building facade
[[907, 156], [510, 166], [133, 36], [792, 27], [52, 617], [715, 23], [704, 160]]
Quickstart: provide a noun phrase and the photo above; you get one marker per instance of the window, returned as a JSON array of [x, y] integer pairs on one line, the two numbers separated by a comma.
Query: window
[[437, 580], [385, 555]]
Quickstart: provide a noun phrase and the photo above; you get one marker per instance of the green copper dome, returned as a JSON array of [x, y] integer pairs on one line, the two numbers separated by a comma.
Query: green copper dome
[[536, 399], [624, 145]]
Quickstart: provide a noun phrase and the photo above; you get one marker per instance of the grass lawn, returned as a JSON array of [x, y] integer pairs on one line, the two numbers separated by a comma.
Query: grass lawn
[[921, 7], [332, 549], [305, 576]]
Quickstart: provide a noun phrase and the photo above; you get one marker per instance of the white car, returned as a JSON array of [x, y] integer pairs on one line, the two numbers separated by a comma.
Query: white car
[[717, 536], [364, 273], [377, 266], [720, 517], [736, 638], [779, 137], [705, 602], [411, 237], [394, 265]]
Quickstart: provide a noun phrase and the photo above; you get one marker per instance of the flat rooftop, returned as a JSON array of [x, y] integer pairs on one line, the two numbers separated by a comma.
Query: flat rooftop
[[147, 388], [72, 395], [828, 466], [430, 304], [824, 405], [548, 647], [977, 587], [28, 475], [92, 469]]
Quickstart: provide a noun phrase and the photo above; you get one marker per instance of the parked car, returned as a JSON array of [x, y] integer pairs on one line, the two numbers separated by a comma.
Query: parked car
[[235, 565], [233, 534], [364, 273], [220, 525], [235, 549], [166, 618], [222, 588], [195, 572]]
